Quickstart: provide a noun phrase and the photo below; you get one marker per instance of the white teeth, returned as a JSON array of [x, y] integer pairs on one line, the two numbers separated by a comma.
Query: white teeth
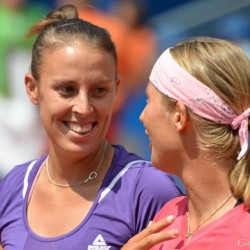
[[80, 129]]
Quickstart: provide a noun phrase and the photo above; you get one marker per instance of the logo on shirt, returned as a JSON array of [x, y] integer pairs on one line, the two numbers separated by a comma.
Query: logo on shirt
[[99, 244], [244, 243]]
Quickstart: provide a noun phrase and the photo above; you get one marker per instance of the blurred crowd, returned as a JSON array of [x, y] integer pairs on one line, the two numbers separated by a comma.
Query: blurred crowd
[[139, 41]]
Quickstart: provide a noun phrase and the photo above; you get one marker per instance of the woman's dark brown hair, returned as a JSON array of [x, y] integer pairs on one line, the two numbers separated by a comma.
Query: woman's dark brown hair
[[63, 27]]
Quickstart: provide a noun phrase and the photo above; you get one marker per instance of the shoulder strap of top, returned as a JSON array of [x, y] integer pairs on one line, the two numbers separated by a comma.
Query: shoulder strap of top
[[26, 177], [117, 177]]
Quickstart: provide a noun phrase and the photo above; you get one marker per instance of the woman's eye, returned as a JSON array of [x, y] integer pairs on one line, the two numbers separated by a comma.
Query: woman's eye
[[100, 91], [66, 90]]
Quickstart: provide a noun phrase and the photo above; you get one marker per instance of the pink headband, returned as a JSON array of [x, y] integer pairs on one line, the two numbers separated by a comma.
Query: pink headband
[[173, 81]]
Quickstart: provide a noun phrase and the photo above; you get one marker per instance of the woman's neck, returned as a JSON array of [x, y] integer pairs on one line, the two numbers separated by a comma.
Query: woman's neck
[[208, 192]]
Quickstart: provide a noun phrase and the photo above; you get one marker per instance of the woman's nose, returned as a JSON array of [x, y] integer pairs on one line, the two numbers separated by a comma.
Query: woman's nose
[[82, 104], [141, 115]]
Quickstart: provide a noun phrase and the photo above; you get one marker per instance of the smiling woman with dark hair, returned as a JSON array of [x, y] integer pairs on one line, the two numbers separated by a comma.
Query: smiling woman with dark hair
[[85, 193]]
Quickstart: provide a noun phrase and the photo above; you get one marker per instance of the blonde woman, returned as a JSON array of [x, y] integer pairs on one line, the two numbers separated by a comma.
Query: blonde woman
[[197, 117]]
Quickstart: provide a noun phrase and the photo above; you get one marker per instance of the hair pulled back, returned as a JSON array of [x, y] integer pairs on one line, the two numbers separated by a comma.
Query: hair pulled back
[[62, 27], [224, 68]]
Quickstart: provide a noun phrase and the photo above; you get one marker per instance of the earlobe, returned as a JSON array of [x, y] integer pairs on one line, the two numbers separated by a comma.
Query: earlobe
[[181, 116], [31, 88]]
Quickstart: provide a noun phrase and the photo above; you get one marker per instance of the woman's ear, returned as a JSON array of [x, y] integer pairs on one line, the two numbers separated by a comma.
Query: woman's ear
[[117, 84], [31, 88], [181, 116]]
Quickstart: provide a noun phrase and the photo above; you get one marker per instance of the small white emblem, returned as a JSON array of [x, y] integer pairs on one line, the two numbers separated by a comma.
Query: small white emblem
[[99, 244]]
